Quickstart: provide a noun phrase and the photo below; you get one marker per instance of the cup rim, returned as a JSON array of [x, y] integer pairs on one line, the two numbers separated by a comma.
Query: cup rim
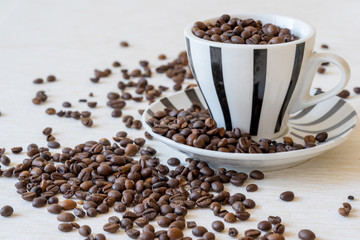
[[311, 32]]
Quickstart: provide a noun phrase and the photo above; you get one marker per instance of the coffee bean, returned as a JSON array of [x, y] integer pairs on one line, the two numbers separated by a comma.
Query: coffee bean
[[5, 160], [29, 196], [275, 236], [147, 235], [85, 230], [53, 144], [191, 224], [321, 137], [306, 234], [65, 227], [287, 196], [230, 218], [279, 228], [199, 231], [243, 216], [66, 104], [344, 94], [38, 81], [133, 233], [78, 212], [350, 197], [357, 90], [274, 220], [321, 70], [100, 236], [347, 205], [68, 204], [218, 226], [173, 161], [111, 227], [66, 217], [256, 174], [249, 203], [233, 232], [39, 202], [6, 211], [163, 221], [325, 46], [50, 111], [91, 104], [51, 78], [87, 122], [116, 64], [251, 188], [16, 150], [254, 233], [264, 225], [344, 211], [116, 113], [209, 236], [54, 209], [53, 200], [175, 233], [47, 131]]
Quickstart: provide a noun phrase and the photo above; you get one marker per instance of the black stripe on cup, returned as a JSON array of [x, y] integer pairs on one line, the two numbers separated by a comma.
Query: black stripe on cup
[[188, 47], [294, 78], [259, 79], [302, 112], [216, 68], [191, 94], [167, 103]]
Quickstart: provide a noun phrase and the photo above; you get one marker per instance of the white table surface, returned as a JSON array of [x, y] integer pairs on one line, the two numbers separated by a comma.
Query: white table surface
[[72, 38]]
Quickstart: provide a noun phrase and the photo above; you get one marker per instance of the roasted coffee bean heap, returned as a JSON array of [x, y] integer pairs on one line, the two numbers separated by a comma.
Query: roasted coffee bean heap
[[194, 127], [242, 31], [103, 175]]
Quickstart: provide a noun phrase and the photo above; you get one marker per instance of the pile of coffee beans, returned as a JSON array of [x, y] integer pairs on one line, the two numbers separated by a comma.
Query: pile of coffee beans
[[242, 31], [104, 175], [194, 127]]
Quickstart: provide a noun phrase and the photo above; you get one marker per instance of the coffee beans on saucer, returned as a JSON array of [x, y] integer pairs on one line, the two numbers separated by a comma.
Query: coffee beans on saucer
[[234, 30], [194, 127]]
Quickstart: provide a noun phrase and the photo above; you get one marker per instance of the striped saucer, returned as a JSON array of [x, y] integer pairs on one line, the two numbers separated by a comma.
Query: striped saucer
[[334, 116]]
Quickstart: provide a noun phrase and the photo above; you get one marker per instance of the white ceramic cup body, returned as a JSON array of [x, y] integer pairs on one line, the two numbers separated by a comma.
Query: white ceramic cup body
[[255, 87]]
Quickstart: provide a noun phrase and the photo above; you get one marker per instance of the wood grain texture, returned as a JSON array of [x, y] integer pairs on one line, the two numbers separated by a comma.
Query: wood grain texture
[[72, 38]]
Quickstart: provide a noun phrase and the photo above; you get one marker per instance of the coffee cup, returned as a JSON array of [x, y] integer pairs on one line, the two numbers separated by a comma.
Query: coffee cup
[[256, 87]]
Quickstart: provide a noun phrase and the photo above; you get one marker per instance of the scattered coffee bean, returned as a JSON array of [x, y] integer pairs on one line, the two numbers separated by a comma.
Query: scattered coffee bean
[[173, 161], [264, 225], [321, 70], [65, 227], [279, 228], [47, 131], [256, 174], [66, 104], [124, 44], [133, 233], [53, 144], [233, 232], [287, 196], [274, 220], [357, 90], [38, 81], [350, 197], [275, 236], [116, 64], [175, 233], [325, 46], [54, 209], [162, 56], [199, 231], [68, 204], [51, 78], [218, 226], [85, 230], [254, 233], [5, 160], [100, 236], [347, 205], [111, 227], [87, 122], [306, 234], [249, 203], [16, 150], [39, 202], [344, 211], [344, 94], [66, 217], [6, 211], [251, 188], [92, 104]]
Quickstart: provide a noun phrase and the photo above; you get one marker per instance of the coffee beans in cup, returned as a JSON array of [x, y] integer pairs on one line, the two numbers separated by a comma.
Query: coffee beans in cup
[[234, 30]]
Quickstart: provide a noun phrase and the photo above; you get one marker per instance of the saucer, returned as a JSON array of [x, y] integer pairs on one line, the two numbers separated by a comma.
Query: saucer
[[334, 116]]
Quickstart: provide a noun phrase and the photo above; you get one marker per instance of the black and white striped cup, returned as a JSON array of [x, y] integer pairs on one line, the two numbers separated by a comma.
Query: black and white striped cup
[[256, 87]]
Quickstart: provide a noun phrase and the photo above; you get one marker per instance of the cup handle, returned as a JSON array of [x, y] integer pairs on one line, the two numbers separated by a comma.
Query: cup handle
[[305, 99]]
